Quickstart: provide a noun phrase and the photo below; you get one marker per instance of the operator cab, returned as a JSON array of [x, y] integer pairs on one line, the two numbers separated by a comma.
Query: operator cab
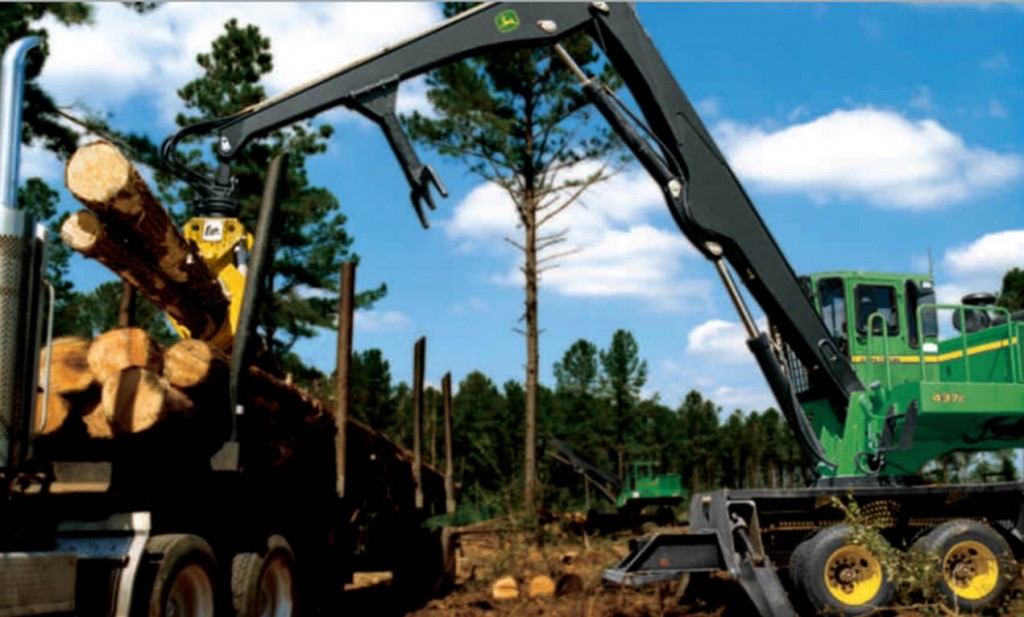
[[858, 308]]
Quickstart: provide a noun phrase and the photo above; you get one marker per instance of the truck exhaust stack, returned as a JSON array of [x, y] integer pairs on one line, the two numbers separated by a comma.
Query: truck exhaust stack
[[21, 267]]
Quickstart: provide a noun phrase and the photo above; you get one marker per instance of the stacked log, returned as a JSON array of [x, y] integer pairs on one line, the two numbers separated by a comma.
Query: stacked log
[[123, 382], [127, 229]]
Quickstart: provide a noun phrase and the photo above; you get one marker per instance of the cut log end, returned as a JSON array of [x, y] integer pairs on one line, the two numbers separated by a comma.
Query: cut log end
[[82, 231], [116, 350], [137, 399], [69, 366], [97, 172], [191, 363]]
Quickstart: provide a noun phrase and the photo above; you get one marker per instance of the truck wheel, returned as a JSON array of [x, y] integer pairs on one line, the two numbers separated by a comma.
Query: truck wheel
[[833, 575], [264, 586], [179, 575], [976, 563], [428, 569]]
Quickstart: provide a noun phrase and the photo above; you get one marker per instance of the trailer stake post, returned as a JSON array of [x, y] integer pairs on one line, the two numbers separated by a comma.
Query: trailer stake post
[[419, 354], [449, 449], [342, 391]]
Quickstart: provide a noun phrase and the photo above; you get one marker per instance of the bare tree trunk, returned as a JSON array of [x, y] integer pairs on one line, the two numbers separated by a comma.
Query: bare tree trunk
[[532, 357]]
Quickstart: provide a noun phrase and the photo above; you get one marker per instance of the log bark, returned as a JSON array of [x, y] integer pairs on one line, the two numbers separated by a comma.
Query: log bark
[[137, 399], [69, 368], [191, 363], [106, 182], [122, 348], [86, 233]]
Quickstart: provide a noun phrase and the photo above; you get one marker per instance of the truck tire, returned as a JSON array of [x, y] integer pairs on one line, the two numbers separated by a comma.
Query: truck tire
[[975, 562], [264, 585], [428, 569], [178, 578], [832, 575]]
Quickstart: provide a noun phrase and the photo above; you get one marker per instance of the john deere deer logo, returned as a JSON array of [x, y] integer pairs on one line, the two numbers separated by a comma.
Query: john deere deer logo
[[507, 21]]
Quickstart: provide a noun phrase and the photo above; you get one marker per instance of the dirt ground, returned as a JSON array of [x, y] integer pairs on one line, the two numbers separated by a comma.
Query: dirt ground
[[575, 564]]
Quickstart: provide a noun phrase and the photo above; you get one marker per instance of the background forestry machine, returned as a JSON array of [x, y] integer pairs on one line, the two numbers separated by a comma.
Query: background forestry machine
[[830, 335]]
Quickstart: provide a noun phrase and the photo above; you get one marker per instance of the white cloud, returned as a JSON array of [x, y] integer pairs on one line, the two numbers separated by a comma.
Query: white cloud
[[469, 305], [378, 321], [621, 253], [743, 398], [996, 109], [709, 107], [126, 55], [922, 101], [979, 266], [38, 162], [868, 154], [996, 62], [721, 341]]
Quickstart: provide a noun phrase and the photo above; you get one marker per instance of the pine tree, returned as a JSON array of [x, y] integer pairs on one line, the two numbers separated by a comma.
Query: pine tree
[[623, 374], [41, 118], [1011, 296], [507, 114]]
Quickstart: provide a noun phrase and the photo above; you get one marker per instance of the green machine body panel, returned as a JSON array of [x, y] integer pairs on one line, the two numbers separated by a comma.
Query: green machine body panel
[[644, 487], [940, 377]]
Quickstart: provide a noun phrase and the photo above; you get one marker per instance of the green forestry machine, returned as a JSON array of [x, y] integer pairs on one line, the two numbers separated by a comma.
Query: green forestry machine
[[855, 361], [643, 496]]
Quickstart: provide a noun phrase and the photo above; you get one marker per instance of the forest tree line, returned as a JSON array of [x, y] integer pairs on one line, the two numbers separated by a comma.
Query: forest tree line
[[596, 406]]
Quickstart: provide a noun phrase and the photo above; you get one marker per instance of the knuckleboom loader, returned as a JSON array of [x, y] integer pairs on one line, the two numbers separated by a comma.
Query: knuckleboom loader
[[855, 360]]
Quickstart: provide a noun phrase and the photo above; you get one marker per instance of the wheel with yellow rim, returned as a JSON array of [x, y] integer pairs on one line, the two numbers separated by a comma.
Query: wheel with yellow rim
[[832, 575], [975, 562]]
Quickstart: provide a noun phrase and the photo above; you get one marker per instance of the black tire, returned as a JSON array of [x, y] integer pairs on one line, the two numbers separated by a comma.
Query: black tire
[[428, 570], [974, 562], [831, 575], [265, 584], [178, 576]]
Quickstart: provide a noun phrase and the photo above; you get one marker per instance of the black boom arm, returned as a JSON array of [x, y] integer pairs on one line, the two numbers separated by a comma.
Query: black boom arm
[[702, 193]]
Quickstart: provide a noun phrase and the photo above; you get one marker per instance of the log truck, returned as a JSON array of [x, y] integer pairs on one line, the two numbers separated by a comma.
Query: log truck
[[854, 360], [255, 502]]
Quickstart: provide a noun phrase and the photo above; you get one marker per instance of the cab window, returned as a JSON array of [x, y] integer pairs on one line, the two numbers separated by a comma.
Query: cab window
[[877, 299], [917, 296], [833, 308]]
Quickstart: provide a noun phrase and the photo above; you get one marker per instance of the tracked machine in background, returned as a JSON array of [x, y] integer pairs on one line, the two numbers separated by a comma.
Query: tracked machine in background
[[643, 496], [855, 361]]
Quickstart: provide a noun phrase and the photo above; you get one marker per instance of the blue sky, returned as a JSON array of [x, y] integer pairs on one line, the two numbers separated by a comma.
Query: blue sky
[[868, 135]]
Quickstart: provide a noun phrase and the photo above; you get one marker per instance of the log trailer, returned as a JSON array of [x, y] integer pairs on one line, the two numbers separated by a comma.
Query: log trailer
[[854, 360], [236, 509]]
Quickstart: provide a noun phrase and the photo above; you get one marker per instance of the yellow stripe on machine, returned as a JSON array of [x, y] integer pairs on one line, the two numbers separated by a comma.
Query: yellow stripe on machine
[[932, 359]]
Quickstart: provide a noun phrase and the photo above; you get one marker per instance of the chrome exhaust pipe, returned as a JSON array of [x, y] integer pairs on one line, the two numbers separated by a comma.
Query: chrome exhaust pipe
[[21, 257]]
